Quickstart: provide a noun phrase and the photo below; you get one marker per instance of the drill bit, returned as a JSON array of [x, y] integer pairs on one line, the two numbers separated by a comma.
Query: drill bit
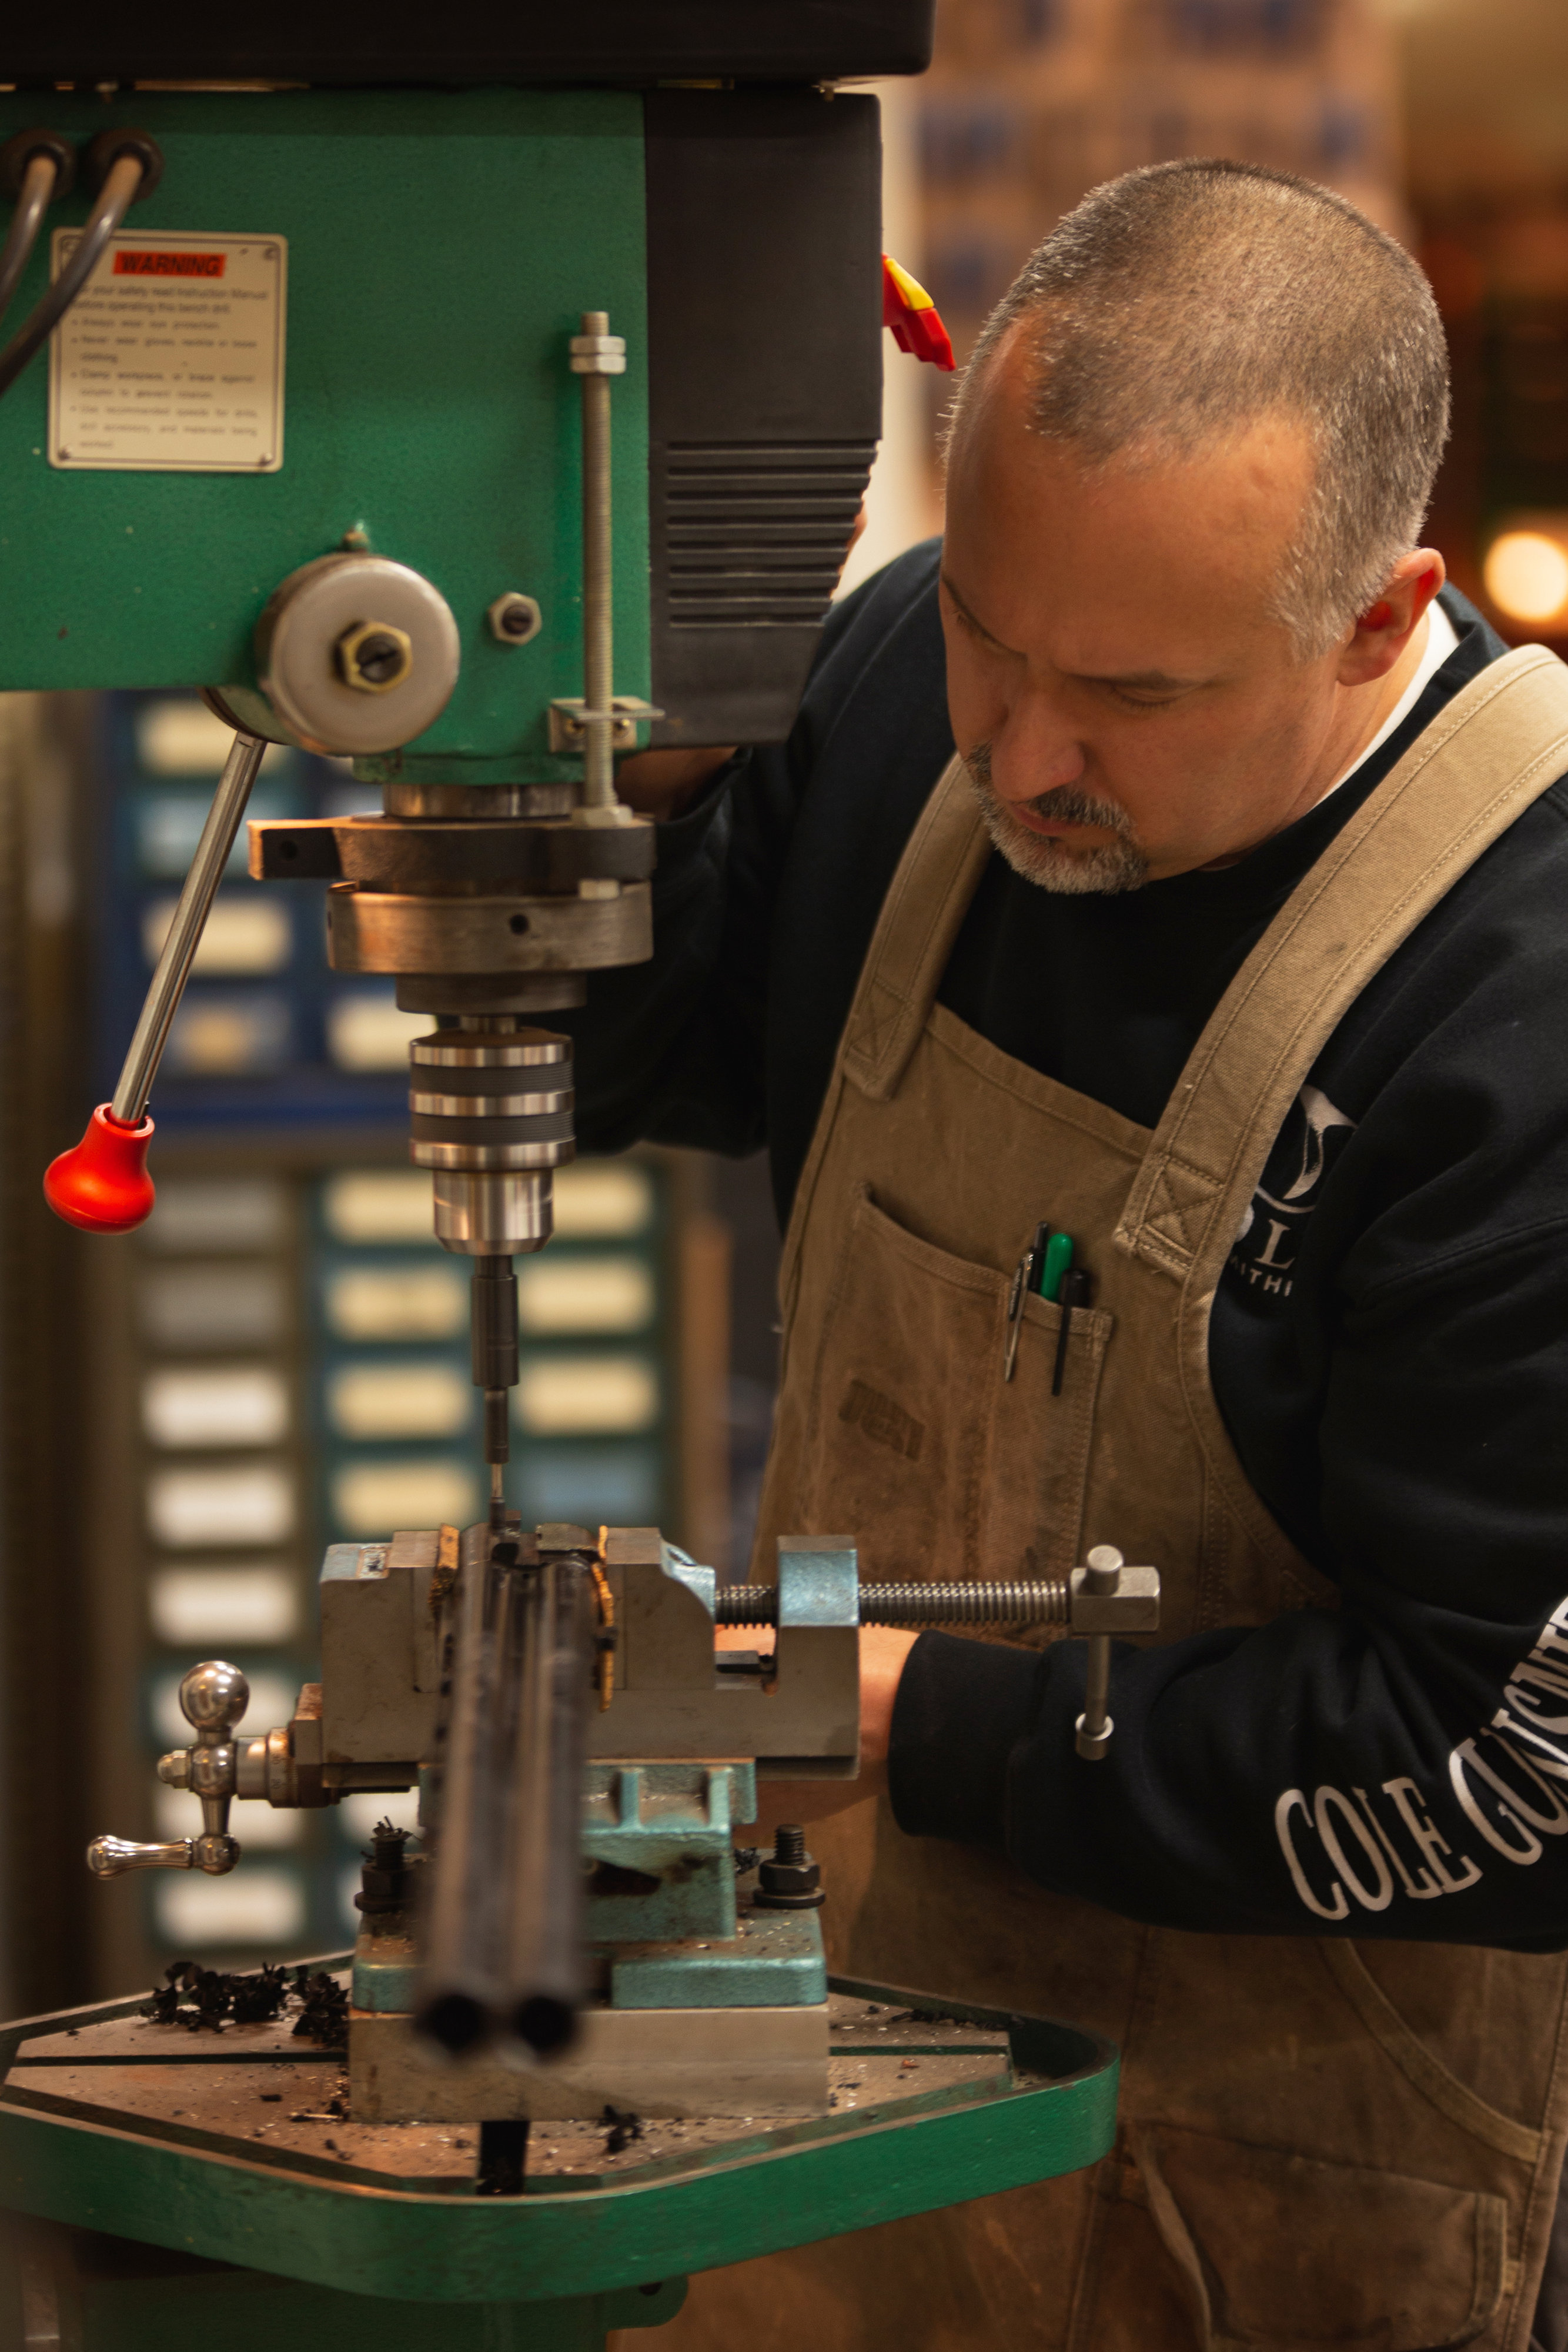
[[494, 1334]]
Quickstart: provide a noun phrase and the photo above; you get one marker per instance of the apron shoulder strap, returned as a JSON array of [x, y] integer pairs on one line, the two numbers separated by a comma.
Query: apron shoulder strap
[[1500, 744], [920, 918]]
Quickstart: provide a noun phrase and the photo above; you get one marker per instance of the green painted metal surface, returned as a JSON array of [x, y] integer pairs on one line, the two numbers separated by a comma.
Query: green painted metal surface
[[661, 1834], [442, 247], [778, 1963], [783, 2187], [386, 1973]]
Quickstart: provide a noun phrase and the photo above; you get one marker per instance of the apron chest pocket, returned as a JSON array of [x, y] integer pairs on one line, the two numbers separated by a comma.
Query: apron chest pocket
[[917, 1445]]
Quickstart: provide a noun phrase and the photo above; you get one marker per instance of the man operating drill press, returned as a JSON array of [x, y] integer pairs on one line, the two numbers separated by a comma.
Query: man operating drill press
[[1144, 966]]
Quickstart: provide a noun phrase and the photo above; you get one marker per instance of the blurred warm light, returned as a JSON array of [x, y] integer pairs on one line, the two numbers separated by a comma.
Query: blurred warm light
[[1526, 575]]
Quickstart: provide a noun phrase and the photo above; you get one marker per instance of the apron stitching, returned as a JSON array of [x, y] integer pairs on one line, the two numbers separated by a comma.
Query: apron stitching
[[915, 979], [1322, 1017], [1222, 1462], [1061, 1113], [1448, 2093]]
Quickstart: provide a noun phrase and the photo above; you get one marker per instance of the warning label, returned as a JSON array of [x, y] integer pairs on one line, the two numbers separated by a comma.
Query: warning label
[[170, 265], [170, 359]]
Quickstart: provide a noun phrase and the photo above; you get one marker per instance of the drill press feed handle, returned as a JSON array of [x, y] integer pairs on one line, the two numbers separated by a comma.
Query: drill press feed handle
[[213, 1698], [102, 1183]]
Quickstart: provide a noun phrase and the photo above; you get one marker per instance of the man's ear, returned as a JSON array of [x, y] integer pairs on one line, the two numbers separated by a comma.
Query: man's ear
[[1385, 628]]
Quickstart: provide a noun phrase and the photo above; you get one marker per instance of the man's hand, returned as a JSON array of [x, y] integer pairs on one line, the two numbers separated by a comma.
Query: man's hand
[[661, 783], [884, 1650]]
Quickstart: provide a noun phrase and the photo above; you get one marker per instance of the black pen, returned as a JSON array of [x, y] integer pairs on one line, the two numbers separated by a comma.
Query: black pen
[[1074, 1293], [1023, 1282]]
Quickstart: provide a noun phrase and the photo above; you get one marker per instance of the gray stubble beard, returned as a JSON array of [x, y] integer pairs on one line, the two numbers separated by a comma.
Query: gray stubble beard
[[1116, 864]]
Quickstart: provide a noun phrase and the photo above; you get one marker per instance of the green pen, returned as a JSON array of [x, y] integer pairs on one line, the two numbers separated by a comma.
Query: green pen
[[1058, 1258]]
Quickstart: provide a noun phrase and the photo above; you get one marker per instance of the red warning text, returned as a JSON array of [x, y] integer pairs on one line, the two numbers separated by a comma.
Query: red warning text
[[170, 265]]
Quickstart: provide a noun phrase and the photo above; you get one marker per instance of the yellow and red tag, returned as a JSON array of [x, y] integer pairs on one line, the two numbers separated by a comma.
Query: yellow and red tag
[[915, 322]]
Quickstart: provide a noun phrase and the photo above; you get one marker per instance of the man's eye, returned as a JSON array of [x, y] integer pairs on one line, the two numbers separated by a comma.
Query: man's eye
[[1140, 701]]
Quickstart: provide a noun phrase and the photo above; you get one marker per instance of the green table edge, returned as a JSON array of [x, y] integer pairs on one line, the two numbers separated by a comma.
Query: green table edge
[[440, 2248]]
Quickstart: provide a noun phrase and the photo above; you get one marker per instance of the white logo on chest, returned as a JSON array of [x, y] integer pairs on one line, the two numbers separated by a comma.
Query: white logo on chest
[[1266, 1243]]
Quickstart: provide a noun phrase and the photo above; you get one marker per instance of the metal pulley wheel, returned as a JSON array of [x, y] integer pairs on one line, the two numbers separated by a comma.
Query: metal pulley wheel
[[356, 654]]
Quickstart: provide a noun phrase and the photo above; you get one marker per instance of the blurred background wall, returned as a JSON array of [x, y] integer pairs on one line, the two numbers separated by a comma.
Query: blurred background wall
[[279, 1361], [1446, 121]]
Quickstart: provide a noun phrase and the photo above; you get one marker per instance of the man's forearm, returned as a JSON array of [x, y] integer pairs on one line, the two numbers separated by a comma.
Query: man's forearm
[[664, 784]]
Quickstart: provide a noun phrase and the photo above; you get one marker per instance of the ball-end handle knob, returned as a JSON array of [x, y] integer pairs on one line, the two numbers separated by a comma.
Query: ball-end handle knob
[[213, 1697], [101, 1184]]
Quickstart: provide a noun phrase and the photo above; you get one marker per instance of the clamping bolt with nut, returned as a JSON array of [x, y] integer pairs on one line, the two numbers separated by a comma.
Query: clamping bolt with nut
[[791, 1879], [373, 657]]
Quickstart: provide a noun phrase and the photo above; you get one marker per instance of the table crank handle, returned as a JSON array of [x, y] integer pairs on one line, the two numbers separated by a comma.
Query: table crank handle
[[111, 1857], [213, 1697], [101, 1184]]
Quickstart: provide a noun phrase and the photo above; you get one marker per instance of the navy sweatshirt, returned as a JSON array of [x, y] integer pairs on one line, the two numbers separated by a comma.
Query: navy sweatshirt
[[1389, 1345]]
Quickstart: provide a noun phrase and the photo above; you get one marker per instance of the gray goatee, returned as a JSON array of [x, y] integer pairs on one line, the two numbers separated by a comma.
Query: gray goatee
[[1115, 864]]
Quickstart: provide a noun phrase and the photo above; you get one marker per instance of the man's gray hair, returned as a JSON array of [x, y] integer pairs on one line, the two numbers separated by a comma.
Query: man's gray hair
[[1179, 304]]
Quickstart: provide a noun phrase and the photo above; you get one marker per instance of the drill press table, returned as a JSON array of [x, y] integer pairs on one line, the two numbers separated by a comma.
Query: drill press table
[[177, 2182]]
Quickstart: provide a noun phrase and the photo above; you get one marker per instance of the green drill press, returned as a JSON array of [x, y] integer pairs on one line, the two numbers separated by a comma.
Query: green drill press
[[477, 398]]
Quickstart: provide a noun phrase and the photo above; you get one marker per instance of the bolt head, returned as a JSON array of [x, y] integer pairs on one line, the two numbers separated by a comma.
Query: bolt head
[[373, 657], [515, 618]]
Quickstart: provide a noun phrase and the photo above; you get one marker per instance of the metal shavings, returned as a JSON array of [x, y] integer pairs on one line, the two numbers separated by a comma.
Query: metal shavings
[[323, 2009], [624, 2128], [204, 2000], [200, 1999], [257, 2000]]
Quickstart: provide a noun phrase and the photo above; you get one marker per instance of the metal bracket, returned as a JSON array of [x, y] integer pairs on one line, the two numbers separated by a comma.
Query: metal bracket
[[570, 715]]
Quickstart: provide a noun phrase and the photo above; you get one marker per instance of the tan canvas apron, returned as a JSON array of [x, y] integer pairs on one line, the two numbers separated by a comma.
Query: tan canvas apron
[[1322, 2143]]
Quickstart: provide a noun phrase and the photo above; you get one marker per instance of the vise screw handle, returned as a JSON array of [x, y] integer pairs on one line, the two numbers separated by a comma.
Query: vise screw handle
[[1102, 1577], [213, 1698]]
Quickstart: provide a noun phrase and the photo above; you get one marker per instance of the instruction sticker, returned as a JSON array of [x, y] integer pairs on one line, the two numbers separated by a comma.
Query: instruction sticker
[[170, 359]]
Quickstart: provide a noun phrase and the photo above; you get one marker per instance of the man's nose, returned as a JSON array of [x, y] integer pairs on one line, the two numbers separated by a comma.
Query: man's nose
[[1035, 751]]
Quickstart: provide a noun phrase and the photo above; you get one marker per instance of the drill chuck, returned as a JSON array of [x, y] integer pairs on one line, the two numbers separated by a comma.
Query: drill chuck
[[491, 1118]]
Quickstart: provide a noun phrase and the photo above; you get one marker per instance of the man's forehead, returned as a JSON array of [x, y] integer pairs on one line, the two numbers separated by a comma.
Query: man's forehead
[[1129, 641], [1121, 569]]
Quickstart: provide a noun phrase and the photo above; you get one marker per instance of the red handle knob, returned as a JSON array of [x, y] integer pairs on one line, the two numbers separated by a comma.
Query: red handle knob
[[102, 1183]]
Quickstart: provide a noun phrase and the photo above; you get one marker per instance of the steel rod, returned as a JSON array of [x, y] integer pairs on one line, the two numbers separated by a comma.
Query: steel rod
[[129, 1107], [598, 622], [1095, 1723], [465, 1920], [549, 1618]]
